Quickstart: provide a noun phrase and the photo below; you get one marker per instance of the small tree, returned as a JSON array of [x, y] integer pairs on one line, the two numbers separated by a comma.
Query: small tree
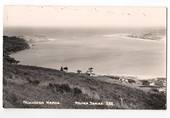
[[90, 71], [65, 69], [79, 71], [61, 69]]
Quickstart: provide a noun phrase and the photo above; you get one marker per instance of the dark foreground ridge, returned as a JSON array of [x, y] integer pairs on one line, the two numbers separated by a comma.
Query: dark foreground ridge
[[37, 87]]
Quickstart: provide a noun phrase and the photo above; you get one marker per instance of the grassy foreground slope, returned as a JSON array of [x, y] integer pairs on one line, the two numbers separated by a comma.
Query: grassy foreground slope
[[28, 83]]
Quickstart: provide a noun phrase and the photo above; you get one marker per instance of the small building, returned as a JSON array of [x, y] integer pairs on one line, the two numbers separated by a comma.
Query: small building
[[152, 83], [162, 89], [123, 80]]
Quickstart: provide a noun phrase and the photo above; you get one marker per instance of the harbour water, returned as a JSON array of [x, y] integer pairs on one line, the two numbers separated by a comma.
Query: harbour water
[[108, 52]]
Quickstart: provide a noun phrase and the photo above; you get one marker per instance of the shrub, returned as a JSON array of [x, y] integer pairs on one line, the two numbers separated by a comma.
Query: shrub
[[33, 82], [64, 88], [131, 81], [77, 91], [145, 82]]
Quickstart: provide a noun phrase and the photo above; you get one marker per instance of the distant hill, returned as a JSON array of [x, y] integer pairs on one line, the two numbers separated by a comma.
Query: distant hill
[[156, 35]]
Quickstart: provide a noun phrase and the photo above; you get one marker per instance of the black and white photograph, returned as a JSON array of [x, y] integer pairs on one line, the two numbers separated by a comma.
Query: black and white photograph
[[85, 57]]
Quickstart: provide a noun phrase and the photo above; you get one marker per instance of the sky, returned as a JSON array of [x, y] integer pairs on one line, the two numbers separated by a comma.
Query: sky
[[83, 16]]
